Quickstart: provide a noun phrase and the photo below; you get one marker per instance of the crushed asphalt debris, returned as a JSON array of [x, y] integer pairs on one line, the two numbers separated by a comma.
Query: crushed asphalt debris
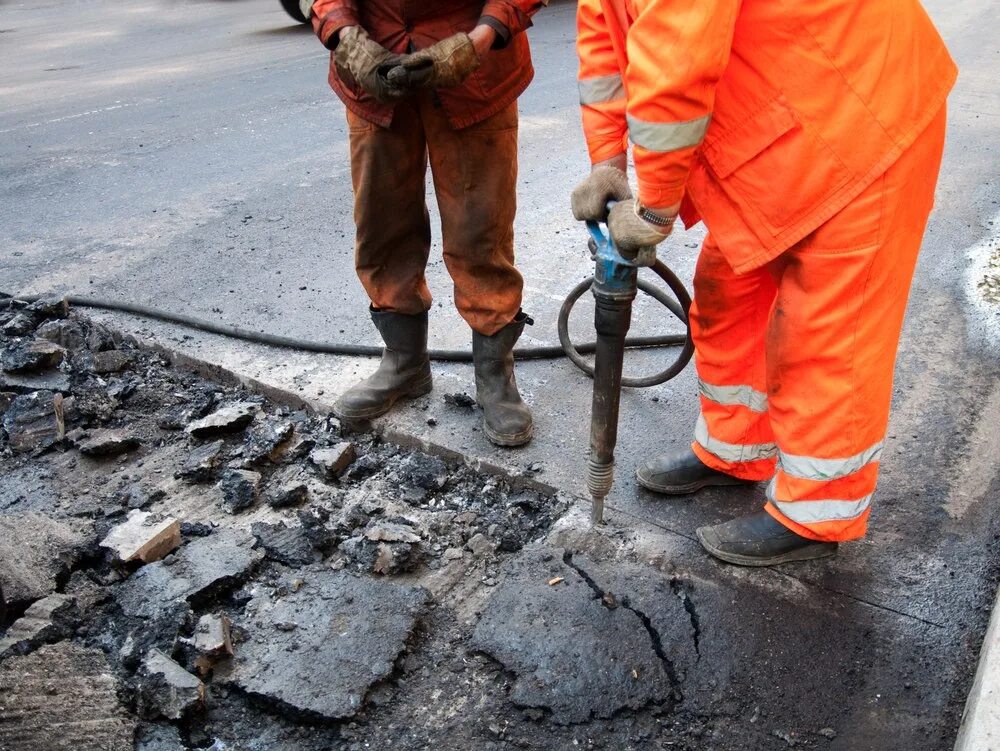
[[193, 553]]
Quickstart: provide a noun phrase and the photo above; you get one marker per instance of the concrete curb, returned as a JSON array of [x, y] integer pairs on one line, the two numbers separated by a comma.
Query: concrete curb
[[980, 727]]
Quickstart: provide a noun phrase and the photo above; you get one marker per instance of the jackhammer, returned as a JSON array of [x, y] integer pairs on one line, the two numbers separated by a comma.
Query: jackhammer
[[614, 285]]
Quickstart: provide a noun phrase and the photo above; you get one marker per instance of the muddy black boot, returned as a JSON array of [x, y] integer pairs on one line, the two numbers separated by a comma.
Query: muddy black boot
[[680, 473], [760, 540], [405, 370], [506, 419]]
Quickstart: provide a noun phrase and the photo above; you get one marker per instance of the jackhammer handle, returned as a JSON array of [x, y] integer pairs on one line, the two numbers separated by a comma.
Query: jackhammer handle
[[594, 227]]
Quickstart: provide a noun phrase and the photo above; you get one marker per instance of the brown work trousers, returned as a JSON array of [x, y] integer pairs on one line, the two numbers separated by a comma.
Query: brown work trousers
[[475, 172]]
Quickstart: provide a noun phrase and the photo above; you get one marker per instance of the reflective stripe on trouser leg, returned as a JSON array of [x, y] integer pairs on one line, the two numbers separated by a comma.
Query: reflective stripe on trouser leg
[[728, 319], [831, 345], [814, 491]]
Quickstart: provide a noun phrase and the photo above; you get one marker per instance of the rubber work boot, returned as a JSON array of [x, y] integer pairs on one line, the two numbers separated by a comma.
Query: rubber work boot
[[680, 473], [760, 540], [405, 369], [506, 419]]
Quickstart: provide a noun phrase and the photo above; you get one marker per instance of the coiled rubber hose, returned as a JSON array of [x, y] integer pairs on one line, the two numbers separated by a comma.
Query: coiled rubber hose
[[567, 348]]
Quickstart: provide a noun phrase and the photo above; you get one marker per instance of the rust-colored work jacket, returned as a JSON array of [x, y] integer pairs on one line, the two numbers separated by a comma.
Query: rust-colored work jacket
[[406, 25], [768, 116]]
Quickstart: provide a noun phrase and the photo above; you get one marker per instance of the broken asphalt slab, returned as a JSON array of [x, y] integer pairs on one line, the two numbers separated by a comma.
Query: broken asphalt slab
[[318, 650], [572, 656], [201, 567]]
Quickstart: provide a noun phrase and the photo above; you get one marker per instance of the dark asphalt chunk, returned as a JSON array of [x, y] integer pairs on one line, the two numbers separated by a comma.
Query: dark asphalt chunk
[[31, 421], [263, 439], [204, 565], [202, 462], [105, 443], [288, 545], [27, 356], [240, 489], [226, 420], [570, 654], [339, 636]]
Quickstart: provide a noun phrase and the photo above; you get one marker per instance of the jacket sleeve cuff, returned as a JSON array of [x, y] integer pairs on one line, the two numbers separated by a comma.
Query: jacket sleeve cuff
[[653, 194], [507, 14], [503, 33], [328, 25]]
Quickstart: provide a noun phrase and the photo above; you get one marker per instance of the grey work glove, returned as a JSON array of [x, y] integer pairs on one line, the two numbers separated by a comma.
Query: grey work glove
[[590, 198], [444, 64], [633, 235], [360, 60]]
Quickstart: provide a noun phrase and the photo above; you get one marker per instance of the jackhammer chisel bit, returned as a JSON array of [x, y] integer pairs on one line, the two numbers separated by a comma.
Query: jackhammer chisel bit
[[614, 289]]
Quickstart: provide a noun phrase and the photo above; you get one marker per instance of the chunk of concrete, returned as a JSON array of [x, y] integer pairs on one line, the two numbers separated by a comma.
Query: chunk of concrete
[[142, 538], [240, 489], [62, 696], [331, 462], [212, 636], [226, 420], [570, 653], [100, 444], [31, 355], [340, 635], [389, 532], [203, 566], [50, 619], [202, 462], [35, 551], [166, 689]]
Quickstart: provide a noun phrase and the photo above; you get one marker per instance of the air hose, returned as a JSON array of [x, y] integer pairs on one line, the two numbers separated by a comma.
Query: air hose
[[567, 348]]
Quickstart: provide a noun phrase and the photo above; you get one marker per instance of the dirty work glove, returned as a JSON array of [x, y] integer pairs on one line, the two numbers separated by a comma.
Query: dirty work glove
[[632, 234], [360, 60], [590, 198], [446, 63]]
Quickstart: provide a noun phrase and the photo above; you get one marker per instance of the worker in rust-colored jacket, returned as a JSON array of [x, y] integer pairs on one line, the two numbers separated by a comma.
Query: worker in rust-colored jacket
[[434, 81]]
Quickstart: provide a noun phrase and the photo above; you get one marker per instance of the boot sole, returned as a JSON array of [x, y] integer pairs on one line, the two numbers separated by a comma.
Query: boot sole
[[808, 553], [509, 440], [691, 487], [421, 389]]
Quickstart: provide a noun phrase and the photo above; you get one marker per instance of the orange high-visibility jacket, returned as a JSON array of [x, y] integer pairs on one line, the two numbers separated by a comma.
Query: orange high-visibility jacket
[[768, 115]]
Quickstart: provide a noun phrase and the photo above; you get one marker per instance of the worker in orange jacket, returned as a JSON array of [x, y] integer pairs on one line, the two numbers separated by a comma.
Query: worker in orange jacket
[[808, 137]]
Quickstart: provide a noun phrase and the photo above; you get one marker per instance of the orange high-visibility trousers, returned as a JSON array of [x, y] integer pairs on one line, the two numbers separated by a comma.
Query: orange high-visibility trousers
[[795, 358]]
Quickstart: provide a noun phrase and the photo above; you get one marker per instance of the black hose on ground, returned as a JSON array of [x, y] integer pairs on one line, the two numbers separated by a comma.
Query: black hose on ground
[[356, 350]]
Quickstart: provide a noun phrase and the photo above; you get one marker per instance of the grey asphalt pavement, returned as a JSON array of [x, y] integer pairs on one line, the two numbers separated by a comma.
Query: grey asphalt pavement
[[190, 155]]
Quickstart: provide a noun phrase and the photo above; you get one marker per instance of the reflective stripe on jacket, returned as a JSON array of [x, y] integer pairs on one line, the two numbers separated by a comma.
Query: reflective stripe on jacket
[[404, 25], [769, 115]]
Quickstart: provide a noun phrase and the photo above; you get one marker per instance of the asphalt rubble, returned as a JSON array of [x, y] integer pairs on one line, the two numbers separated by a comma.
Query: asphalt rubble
[[187, 565]]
